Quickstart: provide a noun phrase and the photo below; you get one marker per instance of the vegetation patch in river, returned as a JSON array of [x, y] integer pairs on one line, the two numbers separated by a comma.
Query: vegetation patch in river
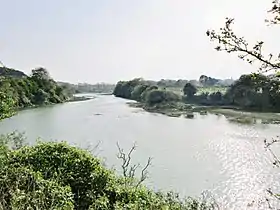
[[231, 103], [80, 98]]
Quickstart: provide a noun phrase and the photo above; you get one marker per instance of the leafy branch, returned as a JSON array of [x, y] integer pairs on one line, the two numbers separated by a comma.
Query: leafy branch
[[228, 41], [275, 11]]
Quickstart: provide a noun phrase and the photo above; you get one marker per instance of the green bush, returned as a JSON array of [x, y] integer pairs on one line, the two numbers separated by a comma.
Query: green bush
[[59, 176], [147, 90], [137, 92], [124, 89], [21, 189], [68, 166], [160, 96]]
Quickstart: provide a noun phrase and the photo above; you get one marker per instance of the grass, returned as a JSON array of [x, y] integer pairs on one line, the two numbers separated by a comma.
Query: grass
[[201, 90], [246, 116], [211, 90]]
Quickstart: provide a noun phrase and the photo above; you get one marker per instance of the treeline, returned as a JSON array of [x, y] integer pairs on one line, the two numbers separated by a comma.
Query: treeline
[[8, 72], [25, 91], [254, 92], [203, 81], [142, 91], [88, 88]]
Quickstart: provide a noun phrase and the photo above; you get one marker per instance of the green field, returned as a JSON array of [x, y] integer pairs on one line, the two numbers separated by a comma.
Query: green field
[[200, 90], [211, 90]]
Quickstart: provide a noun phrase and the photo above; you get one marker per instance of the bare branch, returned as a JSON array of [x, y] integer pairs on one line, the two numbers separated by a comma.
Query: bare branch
[[2, 64], [126, 161], [129, 170], [268, 147], [144, 172]]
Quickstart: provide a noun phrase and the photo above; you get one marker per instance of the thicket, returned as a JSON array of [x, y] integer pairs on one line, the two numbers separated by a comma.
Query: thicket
[[55, 175], [37, 89]]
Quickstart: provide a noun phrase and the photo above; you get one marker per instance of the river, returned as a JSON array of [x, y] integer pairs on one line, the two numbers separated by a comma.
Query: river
[[189, 155]]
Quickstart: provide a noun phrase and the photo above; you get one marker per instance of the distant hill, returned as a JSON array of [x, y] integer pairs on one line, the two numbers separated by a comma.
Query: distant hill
[[8, 72]]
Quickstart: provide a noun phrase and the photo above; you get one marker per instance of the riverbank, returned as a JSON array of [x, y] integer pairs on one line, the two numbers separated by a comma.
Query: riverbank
[[241, 109], [70, 100], [233, 114], [79, 98]]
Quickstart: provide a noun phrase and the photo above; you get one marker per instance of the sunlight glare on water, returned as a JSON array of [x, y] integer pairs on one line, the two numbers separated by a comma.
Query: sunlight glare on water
[[248, 167], [189, 155]]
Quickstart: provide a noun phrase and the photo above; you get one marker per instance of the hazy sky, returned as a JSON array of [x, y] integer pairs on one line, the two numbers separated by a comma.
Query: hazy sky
[[111, 40]]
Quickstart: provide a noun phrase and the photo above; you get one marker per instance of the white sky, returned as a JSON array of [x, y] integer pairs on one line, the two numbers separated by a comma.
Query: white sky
[[110, 40]]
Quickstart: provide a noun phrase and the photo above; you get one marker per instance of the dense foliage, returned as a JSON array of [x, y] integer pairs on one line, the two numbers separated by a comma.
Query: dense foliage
[[255, 90], [88, 88], [142, 91], [203, 81], [8, 72], [37, 89], [252, 91], [227, 40], [56, 175], [208, 81], [189, 90]]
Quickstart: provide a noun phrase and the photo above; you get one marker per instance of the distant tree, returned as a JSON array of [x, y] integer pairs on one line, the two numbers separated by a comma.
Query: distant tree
[[137, 92], [255, 90], [40, 73], [124, 89], [208, 81], [146, 92], [216, 96], [203, 79], [159, 96], [189, 90]]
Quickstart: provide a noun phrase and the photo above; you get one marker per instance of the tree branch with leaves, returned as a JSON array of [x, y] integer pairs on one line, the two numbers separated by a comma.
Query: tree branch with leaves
[[275, 11], [228, 41]]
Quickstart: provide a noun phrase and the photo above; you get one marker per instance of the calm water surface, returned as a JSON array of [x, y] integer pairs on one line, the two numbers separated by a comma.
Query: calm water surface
[[189, 155]]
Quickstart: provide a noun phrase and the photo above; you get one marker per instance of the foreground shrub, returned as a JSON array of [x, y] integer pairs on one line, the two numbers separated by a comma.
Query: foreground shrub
[[68, 166], [62, 177], [140, 198], [21, 188]]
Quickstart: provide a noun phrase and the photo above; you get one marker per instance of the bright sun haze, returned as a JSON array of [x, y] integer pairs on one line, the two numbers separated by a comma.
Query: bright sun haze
[[106, 41]]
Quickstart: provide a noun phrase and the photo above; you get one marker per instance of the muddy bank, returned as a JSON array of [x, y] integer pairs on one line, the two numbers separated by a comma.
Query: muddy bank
[[233, 114]]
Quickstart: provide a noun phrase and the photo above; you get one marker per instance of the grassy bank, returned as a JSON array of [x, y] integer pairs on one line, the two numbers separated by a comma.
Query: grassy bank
[[55, 175], [79, 98]]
